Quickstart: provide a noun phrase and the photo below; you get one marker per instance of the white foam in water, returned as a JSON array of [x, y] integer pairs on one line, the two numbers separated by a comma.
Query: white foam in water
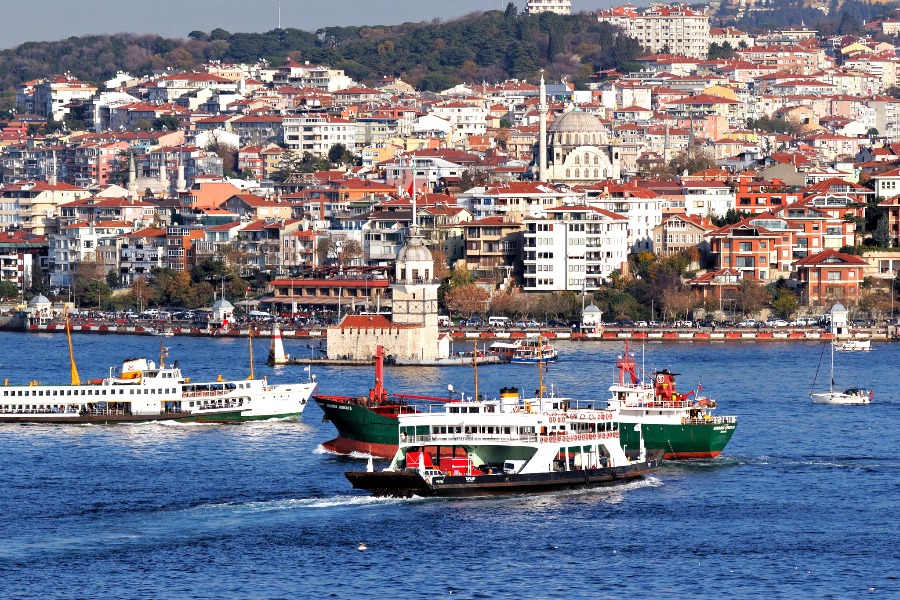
[[298, 503]]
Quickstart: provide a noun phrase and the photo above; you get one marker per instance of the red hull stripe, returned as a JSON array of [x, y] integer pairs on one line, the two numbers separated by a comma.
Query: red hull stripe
[[686, 455], [341, 445]]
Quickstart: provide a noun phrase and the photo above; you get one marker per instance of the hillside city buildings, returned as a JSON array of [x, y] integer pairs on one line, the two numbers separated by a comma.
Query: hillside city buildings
[[530, 185]]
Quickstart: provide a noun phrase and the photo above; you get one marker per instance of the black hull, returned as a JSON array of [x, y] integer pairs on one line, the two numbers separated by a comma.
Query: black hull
[[96, 419], [404, 484]]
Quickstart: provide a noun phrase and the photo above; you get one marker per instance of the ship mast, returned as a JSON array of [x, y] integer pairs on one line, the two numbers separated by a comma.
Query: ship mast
[[250, 337], [540, 366], [475, 366], [76, 379], [163, 354]]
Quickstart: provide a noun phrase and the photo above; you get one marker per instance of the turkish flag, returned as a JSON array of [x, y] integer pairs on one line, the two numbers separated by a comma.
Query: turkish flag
[[409, 190]]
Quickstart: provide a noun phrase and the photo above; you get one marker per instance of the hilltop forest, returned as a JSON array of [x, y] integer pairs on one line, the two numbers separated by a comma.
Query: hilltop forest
[[489, 46]]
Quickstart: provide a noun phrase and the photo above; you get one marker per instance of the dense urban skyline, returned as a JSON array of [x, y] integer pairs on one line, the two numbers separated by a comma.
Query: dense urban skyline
[[48, 20]]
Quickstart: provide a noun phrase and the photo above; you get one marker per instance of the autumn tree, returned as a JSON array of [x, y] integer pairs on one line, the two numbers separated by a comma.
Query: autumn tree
[[87, 272], [223, 150], [468, 300], [140, 292], [677, 301], [750, 297], [350, 250], [179, 290], [691, 160], [441, 270]]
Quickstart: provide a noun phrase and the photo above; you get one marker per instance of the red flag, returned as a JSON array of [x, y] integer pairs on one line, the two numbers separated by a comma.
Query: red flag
[[409, 190]]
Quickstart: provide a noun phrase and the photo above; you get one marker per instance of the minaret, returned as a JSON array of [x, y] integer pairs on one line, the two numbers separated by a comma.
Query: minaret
[[164, 173], [542, 142], [180, 183], [132, 179], [51, 176]]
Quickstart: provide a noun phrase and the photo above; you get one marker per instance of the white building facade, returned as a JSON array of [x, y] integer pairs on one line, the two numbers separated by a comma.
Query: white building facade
[[575, 248], [675, 28], [560, 7], [317, 134]]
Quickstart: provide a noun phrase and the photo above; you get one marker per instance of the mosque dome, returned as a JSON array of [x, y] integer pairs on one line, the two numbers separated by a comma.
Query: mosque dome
[[577, 121]]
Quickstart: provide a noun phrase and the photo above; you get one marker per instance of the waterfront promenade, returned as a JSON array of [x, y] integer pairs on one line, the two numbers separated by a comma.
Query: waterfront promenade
[[675, 334]]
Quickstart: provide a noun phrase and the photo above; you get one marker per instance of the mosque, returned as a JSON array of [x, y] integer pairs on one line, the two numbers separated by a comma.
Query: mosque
[[578, 150]]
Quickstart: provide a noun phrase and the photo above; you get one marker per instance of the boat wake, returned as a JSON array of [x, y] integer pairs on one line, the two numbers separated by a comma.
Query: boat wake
[[298, 504], [320, 449], [843, 462]]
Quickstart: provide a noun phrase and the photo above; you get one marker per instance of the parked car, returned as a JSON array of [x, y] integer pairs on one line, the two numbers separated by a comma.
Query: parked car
[[776, 323], [640, 323], [747, 323]]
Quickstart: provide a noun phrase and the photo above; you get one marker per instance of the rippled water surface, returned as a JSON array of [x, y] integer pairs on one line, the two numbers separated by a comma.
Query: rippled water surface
[[802, 504]]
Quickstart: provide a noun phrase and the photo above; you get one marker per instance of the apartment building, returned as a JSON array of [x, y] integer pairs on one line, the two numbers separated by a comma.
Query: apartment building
[[560, 7], [317, 133], [675, 28], [83, 241], [34, 205], [20, 253], [492, 247], [573, 248], [140, 252], [53, 96], [830, 276]]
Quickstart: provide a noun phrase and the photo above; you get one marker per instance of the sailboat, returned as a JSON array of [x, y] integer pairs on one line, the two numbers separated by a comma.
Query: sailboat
[[851, 396]]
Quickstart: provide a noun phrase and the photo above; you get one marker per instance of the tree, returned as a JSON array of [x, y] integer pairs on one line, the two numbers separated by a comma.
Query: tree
[[140, 292], [112, 278], [339, 154], [98, 290], [226, 152], [469, 299], [349, 251], [179, 289], [8, 290], [88, 271], [208, 269], [691, 160], [785, 303], [677, 302], [750, 297], [167, 122], [882, 233], [723, 51], [38, 285]]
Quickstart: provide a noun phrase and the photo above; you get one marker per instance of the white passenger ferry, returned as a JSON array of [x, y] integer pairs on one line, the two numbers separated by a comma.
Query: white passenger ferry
[[142, 391]]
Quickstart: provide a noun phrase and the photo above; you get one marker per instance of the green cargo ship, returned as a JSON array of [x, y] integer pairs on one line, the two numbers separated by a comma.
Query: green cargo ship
[[680, 424]]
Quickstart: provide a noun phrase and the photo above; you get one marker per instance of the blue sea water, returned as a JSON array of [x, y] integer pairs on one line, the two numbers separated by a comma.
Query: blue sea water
[[803, 502]]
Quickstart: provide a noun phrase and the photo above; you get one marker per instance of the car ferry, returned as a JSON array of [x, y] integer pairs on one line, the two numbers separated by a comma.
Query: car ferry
[[510, 445]]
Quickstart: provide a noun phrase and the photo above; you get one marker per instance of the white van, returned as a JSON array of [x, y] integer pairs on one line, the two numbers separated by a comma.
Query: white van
[[444, 321], [498, 321]]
